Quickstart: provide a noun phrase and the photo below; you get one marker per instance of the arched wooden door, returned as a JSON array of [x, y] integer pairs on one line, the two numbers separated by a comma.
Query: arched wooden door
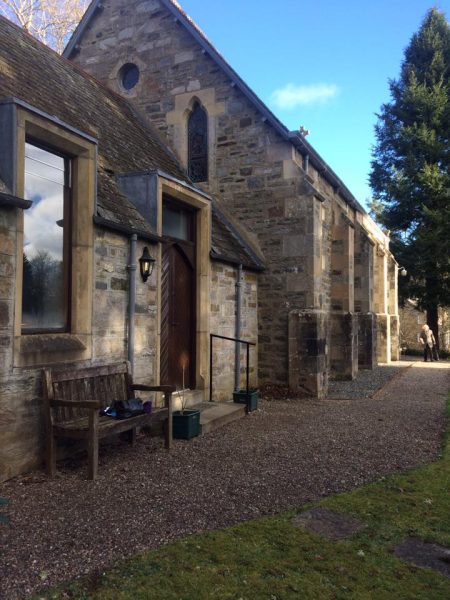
[[178, 315]]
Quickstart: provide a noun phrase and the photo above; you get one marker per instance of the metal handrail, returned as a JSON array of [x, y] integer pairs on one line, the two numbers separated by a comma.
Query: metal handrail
[[238, 341]]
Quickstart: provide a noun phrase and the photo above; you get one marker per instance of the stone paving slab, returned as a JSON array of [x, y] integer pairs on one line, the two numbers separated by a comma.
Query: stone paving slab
[[425, 554], [329, 524]]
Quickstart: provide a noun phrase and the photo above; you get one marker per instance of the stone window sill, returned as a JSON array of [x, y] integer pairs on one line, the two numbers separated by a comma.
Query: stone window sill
[[50, 348]]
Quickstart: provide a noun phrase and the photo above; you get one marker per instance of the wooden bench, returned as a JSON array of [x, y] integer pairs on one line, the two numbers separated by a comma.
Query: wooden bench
[[74, 399]]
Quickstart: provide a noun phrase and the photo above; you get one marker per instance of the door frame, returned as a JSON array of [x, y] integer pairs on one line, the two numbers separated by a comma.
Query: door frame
[[202, 203]]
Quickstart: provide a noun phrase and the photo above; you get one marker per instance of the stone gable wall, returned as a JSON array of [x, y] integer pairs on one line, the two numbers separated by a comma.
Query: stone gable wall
[[255, 173]]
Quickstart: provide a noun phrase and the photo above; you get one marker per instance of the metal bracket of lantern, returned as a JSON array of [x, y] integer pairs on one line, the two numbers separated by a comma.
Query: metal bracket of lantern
[[146, 264]]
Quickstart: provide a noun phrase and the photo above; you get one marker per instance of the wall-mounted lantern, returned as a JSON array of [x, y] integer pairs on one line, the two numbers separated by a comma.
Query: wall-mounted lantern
[[403, 272], [146, 264]]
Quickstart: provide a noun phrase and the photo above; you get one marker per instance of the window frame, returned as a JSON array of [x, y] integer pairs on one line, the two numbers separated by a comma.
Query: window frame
[[197, 107], [53, 347], [67, 241]]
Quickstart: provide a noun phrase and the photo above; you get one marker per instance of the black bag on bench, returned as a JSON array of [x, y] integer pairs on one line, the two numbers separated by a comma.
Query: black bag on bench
[[128, 408]]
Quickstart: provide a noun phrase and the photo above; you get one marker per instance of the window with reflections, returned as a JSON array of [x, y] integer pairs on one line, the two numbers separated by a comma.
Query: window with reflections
[[198, 144], [46, 251]]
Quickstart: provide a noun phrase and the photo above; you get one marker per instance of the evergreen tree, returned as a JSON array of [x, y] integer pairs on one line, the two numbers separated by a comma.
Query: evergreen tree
[[410, 174]]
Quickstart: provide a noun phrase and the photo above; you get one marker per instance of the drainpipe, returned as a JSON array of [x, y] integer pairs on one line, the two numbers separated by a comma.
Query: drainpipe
[[306, 163], [131, 298], [237, 350]]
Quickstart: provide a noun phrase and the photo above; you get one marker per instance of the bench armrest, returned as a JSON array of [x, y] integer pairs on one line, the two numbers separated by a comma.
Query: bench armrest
[[154, 388], [76, 404]]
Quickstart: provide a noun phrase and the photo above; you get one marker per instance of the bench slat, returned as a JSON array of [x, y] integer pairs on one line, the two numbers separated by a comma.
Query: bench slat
[[70, 375]]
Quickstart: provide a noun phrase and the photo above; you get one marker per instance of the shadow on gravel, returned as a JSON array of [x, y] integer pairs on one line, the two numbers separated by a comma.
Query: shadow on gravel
[[367, 382]]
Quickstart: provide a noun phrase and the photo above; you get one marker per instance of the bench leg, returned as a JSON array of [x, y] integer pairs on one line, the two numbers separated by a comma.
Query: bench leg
[[93, 445], [132, 436], [93, 457], [51, 455], [169, 423]]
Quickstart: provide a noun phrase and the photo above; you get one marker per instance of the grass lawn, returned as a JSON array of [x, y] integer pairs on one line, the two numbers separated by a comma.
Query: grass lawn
[[271, 559]]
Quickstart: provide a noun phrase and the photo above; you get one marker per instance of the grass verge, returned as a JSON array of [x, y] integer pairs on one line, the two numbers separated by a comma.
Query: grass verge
[[271, 559]]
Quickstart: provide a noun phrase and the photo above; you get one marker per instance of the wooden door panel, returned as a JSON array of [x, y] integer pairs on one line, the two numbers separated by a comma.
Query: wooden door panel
[[177, 318], [165, 317]]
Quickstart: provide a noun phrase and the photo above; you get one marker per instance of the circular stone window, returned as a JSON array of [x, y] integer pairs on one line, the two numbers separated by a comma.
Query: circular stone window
[[128, 76]]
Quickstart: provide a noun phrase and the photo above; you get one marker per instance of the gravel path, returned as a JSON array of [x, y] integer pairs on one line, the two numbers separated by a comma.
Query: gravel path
[[278, 458]]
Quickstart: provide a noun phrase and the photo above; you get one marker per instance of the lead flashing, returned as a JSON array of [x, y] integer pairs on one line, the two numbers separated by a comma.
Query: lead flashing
[[48, 117]]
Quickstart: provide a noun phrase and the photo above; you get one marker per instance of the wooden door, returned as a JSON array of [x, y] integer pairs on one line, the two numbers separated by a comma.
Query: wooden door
[[178, 316]]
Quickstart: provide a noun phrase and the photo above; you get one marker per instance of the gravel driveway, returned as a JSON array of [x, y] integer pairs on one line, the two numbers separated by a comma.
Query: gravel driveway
[[278, 458]]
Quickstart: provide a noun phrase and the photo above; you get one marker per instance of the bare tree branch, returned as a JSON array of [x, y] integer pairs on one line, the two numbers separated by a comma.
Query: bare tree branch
[[50, 21]]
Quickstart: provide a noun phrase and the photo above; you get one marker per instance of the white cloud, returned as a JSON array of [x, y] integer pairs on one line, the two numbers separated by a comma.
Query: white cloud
[[291, 95], [42, 232]]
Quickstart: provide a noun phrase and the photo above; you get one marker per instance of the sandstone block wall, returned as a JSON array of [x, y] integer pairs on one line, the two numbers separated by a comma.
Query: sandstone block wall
[[254, 172], [20, 410], [367, 341], [223, 322], [308, 352], [363, 271], [21, 403], [111, 307], [411, 321], [344, 345]]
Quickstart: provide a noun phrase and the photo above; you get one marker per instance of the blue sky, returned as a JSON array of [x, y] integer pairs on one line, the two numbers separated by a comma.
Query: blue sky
[[322, 64]]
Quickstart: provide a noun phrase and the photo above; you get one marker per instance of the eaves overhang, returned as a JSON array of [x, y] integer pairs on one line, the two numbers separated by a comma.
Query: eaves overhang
[[10, 200]]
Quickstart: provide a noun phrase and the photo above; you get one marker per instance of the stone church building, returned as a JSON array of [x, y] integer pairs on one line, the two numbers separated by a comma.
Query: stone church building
[[143, 140]]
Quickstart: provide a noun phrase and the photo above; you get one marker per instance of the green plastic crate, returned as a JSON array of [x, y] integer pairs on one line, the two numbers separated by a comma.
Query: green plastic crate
[[186, 424], [251, 402]]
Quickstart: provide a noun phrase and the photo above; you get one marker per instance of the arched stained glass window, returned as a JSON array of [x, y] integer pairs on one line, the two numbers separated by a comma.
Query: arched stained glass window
[[198, 144]]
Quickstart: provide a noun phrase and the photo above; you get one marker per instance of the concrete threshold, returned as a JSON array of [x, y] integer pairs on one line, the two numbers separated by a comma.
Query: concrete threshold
[[217, 414]]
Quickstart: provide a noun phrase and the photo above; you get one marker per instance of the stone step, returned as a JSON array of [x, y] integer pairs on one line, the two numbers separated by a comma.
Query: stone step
[[217, 414], [191, 398]]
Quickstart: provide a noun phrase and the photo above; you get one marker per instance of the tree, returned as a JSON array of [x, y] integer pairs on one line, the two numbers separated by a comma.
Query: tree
[[410, 174], [50, 21]]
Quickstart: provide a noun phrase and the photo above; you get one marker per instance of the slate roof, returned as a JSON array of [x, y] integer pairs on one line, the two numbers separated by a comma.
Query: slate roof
[[231, 242], [39, 77], [294, 137]]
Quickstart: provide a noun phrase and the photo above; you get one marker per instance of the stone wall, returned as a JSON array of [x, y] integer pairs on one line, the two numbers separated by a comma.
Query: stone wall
[[363, 271], [223, 322], [20, 412], [111, 306], [21, 405], [255, 172], [411, 321]]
